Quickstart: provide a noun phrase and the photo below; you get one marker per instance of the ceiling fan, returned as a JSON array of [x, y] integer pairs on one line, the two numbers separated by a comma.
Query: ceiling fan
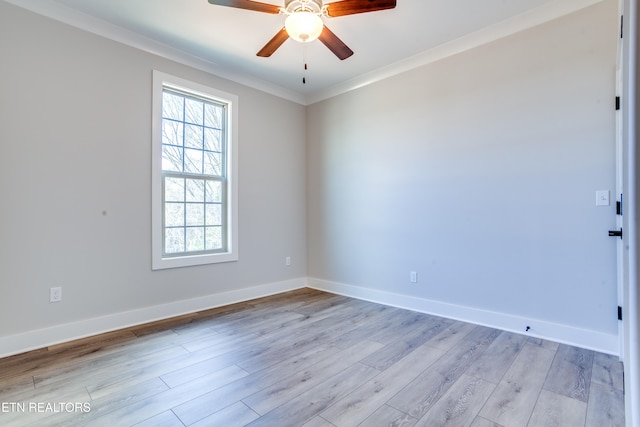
[[304, 22]]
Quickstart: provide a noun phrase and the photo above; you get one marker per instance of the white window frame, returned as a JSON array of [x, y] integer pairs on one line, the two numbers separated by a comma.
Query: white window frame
[[159, 261]]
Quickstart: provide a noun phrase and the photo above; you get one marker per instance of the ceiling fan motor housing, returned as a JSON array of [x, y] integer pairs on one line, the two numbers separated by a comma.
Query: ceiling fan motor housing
[[313, 6], [304, 21]]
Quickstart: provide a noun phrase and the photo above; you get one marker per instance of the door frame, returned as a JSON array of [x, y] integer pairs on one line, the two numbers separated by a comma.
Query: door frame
[[630, 329]]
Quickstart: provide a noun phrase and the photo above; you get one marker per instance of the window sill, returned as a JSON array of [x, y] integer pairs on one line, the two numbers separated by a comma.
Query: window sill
[[160, 263]]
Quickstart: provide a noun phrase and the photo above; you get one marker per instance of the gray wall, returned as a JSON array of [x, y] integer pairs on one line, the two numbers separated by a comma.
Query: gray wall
[[75, 138], [479, 172]]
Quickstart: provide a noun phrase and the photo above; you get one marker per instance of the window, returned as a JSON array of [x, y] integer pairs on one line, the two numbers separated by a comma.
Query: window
[[194, 212]]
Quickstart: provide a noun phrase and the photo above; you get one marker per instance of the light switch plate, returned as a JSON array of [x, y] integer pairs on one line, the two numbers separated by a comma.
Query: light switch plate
[[602, 198]]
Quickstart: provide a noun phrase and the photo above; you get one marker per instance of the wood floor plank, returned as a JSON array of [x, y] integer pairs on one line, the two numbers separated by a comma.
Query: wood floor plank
[[492, 365], [398, 322], [260, 323], [71, 391], [165, 419], [317, 421], [391, 353], [283, 391], [460, 405], [195, 370], [366, 327], [223, 341], [105, 381], [452, 335], [570, 373], [549, 345], [236, 415], [424, 391], [313, 359], [208, 403], [321, 332], [322, 304], [67, 355], [109, 403], [163, 325], [555, 410], [514, 399], [52, 396], [193, 333], [207, 316], [96, 367], [605, 407], [483, 422], [607, 370], [23, 362], [386, 416], [140, 410], [310, 403], [358, 405], [19, 384]]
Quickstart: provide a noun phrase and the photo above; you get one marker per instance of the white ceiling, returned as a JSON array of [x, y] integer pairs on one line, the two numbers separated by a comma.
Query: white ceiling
[[225, 40]]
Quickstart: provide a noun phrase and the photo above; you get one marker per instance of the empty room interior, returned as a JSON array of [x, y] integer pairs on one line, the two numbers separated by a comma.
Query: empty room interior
[[425, 217]]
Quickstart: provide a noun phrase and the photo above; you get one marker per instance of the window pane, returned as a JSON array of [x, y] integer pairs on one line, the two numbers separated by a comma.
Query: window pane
[[195, 190], [195, 214], [192, 161], [213, 214], [212, 163], [214, 238], [195, 239], [171, 158], [213, 116], [214, 192], [174, 240], [174, 214], [193, 136], [193, 111], [174, 189], [212, 139], [172, 106], [172, 132]]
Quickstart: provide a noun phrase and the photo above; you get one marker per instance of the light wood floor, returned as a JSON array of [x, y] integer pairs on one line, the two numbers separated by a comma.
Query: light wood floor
[[312, 359]]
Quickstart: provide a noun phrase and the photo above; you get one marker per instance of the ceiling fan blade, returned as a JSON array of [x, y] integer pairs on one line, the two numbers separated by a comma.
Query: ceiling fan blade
[[334, 44], [248, 4], [351, 7], [273, 44]]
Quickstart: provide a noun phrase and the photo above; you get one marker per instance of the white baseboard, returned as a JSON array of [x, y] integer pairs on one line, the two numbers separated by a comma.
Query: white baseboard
[[588, 339], [31, 340]]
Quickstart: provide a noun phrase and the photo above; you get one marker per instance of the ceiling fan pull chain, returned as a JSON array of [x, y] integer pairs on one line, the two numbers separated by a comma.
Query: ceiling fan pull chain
[[304, 60]]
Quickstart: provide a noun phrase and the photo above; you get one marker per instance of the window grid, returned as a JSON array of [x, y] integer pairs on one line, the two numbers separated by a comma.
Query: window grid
[[195, 222]]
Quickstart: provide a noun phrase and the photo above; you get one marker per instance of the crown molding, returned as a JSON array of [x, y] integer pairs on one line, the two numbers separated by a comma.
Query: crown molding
[[513, 25], [518, 23], [118, 34]]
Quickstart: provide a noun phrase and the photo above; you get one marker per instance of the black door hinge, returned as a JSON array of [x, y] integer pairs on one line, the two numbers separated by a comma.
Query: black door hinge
[[621, 26], [617, 103], [619, 313], [619, 205], [615, 233]]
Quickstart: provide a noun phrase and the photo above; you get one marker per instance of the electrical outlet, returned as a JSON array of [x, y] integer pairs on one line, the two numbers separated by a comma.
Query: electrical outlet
[[55, 294], [287, 261], [413, 277]]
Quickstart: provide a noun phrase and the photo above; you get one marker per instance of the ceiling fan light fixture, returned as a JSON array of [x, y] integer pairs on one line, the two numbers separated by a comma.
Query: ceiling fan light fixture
[[304, 26]]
